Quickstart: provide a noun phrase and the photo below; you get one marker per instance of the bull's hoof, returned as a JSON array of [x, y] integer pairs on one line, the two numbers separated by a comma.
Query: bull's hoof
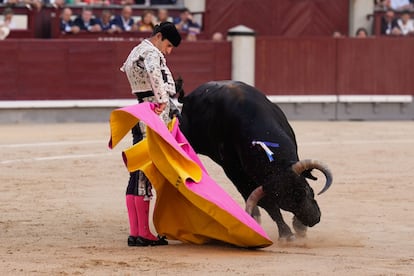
[[285, 234], [300, 229], [289, 238], [300, 234]]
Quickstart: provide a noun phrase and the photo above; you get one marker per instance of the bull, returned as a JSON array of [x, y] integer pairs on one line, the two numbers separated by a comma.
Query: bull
[[251, 139]]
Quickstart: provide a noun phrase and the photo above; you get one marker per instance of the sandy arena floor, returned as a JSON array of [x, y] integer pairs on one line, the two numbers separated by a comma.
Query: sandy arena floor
[[63, 211]]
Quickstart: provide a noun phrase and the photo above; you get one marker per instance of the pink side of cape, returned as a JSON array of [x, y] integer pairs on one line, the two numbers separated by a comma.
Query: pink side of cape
[[207, 187]]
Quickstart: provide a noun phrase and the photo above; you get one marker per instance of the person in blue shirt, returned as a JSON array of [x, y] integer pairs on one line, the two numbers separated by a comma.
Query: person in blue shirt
[[87, 22], [67, 25], [185, 24], [124, 22], [106, 21]]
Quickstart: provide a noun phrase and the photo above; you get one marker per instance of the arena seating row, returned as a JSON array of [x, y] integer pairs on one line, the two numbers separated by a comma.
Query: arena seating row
[[45, 23], [26, 21], [378, 14]]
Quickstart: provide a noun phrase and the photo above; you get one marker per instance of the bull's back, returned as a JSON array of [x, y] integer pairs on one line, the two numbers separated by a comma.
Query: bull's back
[[219, 101], [221, 111]]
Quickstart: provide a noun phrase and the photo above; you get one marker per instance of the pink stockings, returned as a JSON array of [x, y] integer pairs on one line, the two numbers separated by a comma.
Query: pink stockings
[[138, 214], [132, 215]]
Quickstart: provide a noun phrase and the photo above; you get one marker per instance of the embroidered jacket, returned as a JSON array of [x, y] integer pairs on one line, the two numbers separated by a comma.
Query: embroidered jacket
[[147, 70]]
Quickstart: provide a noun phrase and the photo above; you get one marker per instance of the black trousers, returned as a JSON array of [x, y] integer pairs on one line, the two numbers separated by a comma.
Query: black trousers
[[137, 136], [132, 188]]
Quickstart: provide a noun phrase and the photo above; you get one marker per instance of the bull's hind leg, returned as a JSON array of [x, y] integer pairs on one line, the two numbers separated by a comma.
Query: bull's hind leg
[[256, 215], [243, 185], [300, 229]]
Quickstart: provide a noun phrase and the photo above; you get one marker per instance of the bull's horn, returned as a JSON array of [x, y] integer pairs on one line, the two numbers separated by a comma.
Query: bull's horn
[[303, 165], [254, 197]]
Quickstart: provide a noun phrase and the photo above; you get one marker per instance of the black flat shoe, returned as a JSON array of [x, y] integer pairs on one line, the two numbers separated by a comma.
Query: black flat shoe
[[140, 241], [132, 241]]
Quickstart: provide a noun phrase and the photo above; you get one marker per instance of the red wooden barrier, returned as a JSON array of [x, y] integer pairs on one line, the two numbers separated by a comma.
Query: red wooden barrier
[[291, 18], [335, 66], [296, 65], [376, 66], [78, 69]]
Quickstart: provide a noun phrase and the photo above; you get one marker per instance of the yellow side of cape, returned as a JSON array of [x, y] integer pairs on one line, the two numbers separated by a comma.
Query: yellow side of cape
[[180, 213]]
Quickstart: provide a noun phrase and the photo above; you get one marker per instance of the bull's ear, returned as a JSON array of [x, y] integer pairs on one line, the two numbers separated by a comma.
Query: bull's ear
[[179, 84], [179, 88], [308, 174]]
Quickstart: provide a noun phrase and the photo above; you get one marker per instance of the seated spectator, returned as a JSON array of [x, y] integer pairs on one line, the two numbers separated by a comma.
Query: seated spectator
[[7, 23], [162, 16], [106, 22], [337, 34], [4, 31], [389, 24], [185, 24], [405, 23], [361, 33], [67, 25], [146, 23], [217, 36], [124, 22], [87, 22]]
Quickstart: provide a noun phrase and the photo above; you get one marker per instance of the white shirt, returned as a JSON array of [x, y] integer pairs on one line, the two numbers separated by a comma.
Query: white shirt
[[4, 31], [407, 28], [147, 70]]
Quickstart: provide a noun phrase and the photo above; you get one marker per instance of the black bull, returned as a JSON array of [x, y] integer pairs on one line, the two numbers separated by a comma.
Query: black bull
[[250, 138]]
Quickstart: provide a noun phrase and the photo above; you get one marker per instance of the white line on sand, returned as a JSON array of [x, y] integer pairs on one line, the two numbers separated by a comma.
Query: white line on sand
[[57, 157], [93, 155], [357, 142], [55, 143], [65, 143]]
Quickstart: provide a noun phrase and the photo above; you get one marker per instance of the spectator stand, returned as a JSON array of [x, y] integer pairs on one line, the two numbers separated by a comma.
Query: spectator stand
[[45, 23], [115, 9], [24, 19], [379, 13]]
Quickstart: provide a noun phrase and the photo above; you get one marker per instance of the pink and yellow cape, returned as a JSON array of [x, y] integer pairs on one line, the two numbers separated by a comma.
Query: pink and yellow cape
[[190, 206]]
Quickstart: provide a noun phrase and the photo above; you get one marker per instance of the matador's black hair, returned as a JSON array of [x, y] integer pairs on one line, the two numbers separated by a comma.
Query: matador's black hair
[[168, 31]]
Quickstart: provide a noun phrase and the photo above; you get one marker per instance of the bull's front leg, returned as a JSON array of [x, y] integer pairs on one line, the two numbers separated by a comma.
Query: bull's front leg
[[284, 230], [300, 229], [273, 210]]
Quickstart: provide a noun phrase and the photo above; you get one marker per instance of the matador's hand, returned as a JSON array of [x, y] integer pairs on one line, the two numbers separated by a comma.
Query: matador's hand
[[159, 108]]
